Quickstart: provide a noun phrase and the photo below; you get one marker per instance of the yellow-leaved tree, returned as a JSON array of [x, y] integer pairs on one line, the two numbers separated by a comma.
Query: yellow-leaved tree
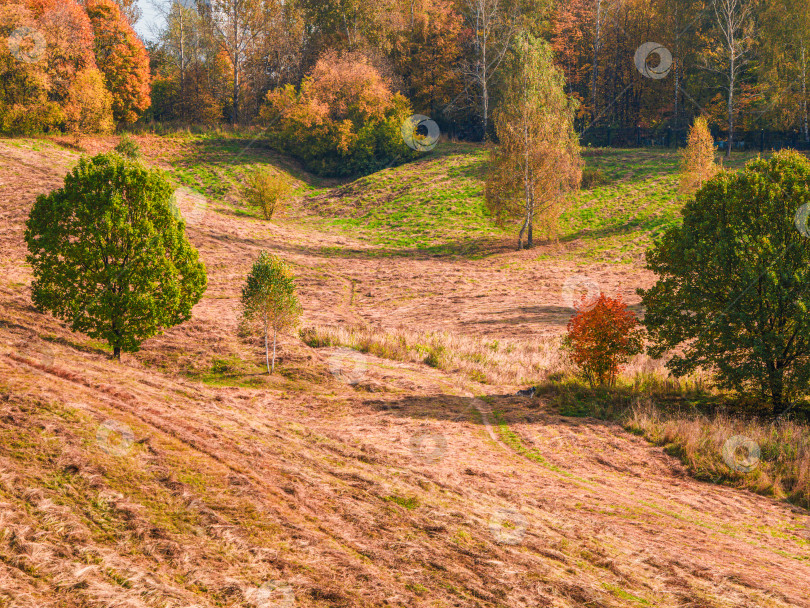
[[537, 159], [697, 160]]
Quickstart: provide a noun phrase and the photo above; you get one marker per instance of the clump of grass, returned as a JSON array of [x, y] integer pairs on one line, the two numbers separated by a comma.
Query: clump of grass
[[593, 177], [409, 502], [266, 190], [128, 147], [511, 362]]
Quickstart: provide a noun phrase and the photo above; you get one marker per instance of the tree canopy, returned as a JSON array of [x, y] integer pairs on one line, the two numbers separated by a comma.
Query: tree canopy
[[109, 255], [733, 292]]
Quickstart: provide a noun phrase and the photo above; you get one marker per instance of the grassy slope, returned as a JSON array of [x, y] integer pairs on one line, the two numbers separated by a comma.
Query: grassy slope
[[313, 484]]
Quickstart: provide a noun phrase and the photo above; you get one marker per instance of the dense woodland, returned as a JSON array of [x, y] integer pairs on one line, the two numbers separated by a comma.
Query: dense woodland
[[741, 63]]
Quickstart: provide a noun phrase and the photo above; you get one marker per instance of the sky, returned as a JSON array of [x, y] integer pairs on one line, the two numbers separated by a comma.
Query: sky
[[150, 20]]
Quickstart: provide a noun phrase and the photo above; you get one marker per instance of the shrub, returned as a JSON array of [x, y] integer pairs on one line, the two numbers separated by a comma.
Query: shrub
[[602, 336], [697, 160], [109, 256], [128, 147], [266, 189], [343, 119], [733, 292], [593, 178]]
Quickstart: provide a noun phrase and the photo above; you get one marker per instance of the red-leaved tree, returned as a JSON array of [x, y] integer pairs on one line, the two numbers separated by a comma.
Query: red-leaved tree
[[602, 336], [122, 59]]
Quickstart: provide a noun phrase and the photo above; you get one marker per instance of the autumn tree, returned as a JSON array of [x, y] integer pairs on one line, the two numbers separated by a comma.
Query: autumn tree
[[122, 58], [427, 54], [193, 76], [785, 44], [269, 302], [130, 10], [601, 337], [697, 160], [344, 119], [491, 24], [110, 257], [55, 82], [730, 54], [537, 159], [238, 26], [25, 106]]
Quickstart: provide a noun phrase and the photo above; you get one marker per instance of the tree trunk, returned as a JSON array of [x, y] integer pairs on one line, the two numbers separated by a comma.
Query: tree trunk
[[267, 351], [730, 111], [595, 70], [805, 126], [520, 234], [732, 81], [235, 91], [274, 351], [530, 237], [526, 189], [117, 352], [775, 383]]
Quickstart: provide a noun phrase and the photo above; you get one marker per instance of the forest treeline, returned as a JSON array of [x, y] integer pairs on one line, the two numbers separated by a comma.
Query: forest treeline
[[740, 63]]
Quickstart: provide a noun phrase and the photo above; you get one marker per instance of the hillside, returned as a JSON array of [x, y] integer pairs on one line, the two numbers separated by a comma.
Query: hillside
[[183, 476]]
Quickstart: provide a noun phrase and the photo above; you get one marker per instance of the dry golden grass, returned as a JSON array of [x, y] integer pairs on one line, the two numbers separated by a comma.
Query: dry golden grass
[[776, 460], [486, 361], [782, 471]]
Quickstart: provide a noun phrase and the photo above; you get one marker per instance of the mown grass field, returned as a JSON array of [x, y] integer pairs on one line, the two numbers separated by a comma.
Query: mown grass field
[[404, 472]]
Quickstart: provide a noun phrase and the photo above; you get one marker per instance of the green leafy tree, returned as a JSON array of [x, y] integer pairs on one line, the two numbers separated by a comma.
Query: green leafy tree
[[110, 257], [733, 292], [269, 301]]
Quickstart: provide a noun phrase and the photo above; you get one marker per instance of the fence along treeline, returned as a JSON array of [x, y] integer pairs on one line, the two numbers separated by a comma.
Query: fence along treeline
[[741, 63]]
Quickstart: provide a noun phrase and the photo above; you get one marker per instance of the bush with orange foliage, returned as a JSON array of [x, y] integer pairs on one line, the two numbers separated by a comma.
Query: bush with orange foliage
[[344, 119], [602, 336]]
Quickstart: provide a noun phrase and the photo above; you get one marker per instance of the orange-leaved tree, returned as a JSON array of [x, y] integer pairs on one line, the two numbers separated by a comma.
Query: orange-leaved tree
[[602, 336], [344, 119], [122, 59]]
